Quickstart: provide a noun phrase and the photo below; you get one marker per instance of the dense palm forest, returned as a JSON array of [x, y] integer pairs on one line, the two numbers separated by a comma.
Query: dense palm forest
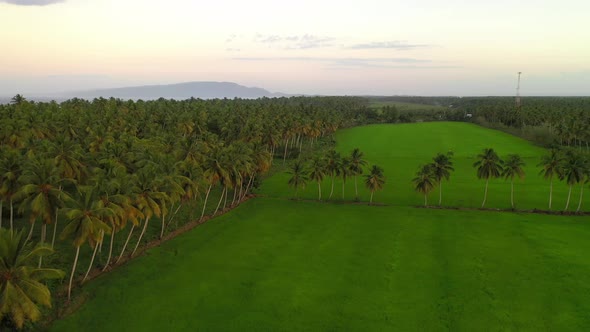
[[92, 173]]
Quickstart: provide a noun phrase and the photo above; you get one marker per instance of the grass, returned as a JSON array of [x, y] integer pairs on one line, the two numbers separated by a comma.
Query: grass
[[279, 265], [274, 264], [401, 149]]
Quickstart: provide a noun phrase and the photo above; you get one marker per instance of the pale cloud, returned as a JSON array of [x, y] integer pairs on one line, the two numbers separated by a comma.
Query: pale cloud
[[400, 63], [397, 45], [32, 2], [294, 42]]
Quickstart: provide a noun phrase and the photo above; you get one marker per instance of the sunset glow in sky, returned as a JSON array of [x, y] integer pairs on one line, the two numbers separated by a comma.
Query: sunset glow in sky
[[420, 47]]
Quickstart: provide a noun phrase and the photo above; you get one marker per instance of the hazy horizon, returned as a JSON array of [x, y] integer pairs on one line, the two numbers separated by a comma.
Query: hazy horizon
[[425, 47]]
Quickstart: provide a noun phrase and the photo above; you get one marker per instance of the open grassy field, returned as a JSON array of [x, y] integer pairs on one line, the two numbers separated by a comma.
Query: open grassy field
[[401, 149], [274, 264], [279, 265]]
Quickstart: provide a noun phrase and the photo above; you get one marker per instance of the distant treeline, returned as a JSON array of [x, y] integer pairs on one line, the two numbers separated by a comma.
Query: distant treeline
[[547, 121]]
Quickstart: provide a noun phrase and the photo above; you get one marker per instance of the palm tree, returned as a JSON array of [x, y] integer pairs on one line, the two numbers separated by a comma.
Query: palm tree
[[150, 200], [18, 99], [10, 172], [333, 161], [41, 195], [298, 176], [425, 181], [22, 287], [488, 166], [374, 180], [573, 167], [551, 166], [513, 167], [214, 170], [317, 171], [442, 166], [87, 218], [356, 167]]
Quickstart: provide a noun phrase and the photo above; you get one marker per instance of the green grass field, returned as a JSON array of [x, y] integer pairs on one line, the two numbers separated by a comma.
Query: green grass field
[[274, 264], [401, 149]]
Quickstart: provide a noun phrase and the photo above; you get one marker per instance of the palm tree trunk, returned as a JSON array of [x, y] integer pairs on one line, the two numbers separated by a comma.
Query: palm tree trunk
[[425, 199], [174, 214], [43, 232], [225, 200], [220, 200], [163, 225], [580, 201], [569, 194], [485, 195], [550, 192], [440, 193], [248, 186], [356, 190], [73, 271], [342, 189], [319, 191], [110, 246], [512, 193], [332, 190], [235, 195], [125, 245], [205, 203], [296, 191], [371, 200], [54, 229], [31, 231], [300, 145], [147, 221], [91, 261], [285, 153], [12, 217]]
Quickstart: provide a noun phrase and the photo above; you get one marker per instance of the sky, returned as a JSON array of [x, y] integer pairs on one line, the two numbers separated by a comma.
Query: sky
[[369, 47]]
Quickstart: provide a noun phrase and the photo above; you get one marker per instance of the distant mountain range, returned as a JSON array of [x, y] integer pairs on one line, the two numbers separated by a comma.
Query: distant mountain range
[[180, 91]]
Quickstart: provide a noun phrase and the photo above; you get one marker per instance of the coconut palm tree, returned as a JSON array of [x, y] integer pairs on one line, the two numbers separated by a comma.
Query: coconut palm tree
[[317, 171], [356, 167], [298, 176], [333, 161], [551, 166], [22, 287], [151, 201], [513, 167], [87, 218], [442, 166], [573, 167], [425, 181], [10, 172], [41, 195], [374, 180], [18, 99], [489, 166]]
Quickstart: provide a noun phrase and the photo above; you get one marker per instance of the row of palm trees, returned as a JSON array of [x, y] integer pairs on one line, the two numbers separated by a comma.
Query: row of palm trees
[[333, 165], [567, 165], [432, 174]]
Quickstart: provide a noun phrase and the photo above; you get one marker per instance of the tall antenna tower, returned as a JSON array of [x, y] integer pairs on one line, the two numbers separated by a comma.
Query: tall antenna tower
[[518, 92]]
